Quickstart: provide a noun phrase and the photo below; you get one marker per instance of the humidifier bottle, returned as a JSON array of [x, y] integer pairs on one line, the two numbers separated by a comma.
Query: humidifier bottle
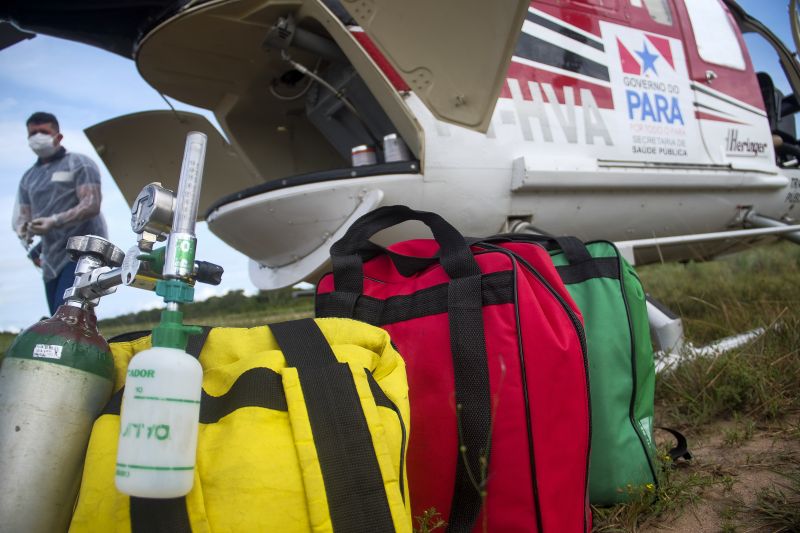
[[159, 421], [161, 402]]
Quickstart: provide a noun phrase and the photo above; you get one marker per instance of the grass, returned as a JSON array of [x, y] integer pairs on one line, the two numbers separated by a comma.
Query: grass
[[730, 295], [650, 505], [242, 320], [778, 508], [200, 315], [737, 435], [774, 508], [430, 521]]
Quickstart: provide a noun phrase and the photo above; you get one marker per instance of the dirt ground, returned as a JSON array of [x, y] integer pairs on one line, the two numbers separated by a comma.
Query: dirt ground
[[736, 461]]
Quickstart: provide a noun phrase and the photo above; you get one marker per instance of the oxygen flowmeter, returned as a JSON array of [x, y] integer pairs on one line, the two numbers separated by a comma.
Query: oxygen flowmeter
[[161, 403]]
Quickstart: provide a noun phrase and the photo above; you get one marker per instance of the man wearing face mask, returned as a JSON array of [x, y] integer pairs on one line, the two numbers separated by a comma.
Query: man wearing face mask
[[58, 198]]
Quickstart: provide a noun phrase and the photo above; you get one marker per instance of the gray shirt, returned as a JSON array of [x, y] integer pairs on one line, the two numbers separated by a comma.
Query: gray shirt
[[66, 186]]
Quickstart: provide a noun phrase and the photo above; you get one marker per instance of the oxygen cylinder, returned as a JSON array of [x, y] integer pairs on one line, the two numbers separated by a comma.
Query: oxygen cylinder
[[54, 381]]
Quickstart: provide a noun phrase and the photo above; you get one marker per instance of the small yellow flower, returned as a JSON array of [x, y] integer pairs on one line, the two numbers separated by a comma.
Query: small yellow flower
[[650, 487]]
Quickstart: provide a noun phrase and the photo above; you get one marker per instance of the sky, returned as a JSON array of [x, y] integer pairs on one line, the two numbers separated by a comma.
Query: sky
[[82, 86]]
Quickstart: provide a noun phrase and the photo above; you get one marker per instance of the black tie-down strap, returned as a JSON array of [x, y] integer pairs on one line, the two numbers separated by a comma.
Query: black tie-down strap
[[681, 449], [156, 515], [473, 402], [165, 515], [353, 483]]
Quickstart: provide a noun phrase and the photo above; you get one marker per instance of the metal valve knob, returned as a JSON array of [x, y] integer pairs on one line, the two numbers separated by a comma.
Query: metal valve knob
[[97, 247]]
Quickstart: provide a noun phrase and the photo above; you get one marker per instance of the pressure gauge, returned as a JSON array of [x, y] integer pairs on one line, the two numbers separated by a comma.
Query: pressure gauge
[[153, 210]]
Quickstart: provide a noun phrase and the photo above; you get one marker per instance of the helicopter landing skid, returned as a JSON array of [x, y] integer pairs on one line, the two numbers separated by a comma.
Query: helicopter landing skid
[[672, 346]]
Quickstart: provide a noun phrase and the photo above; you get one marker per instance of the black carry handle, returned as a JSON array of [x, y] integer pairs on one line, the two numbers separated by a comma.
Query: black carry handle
[[348, 265], [406, 265], [455, 255], [574, 249]]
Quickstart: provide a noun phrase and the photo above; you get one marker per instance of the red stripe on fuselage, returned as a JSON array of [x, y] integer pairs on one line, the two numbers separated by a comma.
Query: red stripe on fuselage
[[524, 74], [588, 22], [706, 116]]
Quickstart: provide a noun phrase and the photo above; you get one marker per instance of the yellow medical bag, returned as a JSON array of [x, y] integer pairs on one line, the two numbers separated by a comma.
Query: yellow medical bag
[[304, 426]]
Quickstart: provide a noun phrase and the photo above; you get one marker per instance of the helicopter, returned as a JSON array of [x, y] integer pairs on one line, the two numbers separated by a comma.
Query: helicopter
[[642, 122]]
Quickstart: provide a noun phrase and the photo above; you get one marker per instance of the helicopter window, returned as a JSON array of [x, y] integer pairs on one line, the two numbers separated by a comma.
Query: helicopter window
[[714, 35], [659, 11]]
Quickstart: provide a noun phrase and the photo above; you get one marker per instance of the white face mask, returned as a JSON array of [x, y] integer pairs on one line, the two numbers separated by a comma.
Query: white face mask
[[42, 144]]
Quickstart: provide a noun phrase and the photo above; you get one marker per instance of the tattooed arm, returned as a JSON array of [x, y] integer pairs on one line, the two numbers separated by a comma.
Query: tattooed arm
[[20, 220], [22, 212], [89, 199]]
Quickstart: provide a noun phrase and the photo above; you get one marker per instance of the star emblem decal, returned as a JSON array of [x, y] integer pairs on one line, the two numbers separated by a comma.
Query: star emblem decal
[[648, 60]]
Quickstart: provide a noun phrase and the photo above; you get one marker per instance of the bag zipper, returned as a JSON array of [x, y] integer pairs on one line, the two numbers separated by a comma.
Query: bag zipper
[[577, 326]]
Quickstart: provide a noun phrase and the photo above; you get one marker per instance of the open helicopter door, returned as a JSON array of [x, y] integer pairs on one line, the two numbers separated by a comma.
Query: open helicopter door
[[141, 148], [454, 54]]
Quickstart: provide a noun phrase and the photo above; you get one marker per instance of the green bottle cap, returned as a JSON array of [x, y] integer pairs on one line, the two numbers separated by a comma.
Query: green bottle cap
[[171, 332]]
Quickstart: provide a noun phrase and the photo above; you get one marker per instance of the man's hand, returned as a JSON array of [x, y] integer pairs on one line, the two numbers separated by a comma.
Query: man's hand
[[41, 225], [24, 234]]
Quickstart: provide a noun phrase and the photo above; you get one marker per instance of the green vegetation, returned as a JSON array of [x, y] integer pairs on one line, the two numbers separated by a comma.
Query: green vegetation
[[430, 521], [232, 309], [778, 508], [651, 504]]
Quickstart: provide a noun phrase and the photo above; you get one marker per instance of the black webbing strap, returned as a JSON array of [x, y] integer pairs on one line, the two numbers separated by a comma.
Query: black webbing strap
[[350, 270], [151, 515], [196, 342], [497, 288], [353, 483], [574, 249], [681, 449], [455, 256], [599, 267], [165, 515], [473, 402], [114, 405], [257, 387]]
